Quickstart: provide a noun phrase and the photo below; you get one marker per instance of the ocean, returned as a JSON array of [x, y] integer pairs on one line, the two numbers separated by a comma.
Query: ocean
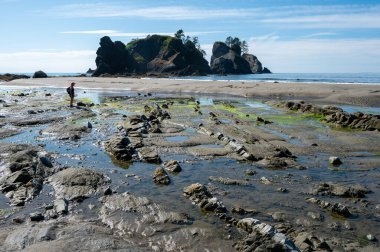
[[336, 78]]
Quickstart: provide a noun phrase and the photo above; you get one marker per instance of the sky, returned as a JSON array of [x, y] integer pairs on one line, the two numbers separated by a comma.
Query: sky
[[295, 36]]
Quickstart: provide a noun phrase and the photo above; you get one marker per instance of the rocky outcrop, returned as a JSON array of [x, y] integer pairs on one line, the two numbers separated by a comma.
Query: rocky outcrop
[[113, 58], [161, 177], [337, 116], [39, 74], [334, 208], [24, 168], [156, 54], [254, 63], [10, 77], [77, 183], [201, 196], [332, 189], [228, 60]]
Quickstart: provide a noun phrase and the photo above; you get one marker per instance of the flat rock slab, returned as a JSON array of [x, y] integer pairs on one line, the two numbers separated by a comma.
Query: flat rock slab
[[78, 183]]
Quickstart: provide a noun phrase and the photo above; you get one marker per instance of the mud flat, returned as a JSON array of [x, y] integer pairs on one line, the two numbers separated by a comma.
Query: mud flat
[[144, 169]]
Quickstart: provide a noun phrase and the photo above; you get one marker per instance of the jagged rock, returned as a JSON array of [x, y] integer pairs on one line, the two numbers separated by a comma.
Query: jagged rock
[[254, 63], [224, 60], [331, 189], [229, 181], [263, 237], [77, 183], [149, 155], [158, 54], [39, 74], [23, 172], [242, 211], [113, 58], [309, 242], [119, 147], [172, 166], [160, 176], [61, 206], [37, 216], [336, 208], [199, 194]]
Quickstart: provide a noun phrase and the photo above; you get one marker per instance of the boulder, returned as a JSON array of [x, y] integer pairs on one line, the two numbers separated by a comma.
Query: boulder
[[172, 166], [333, 189], [160, 176], [39, 74], [149, 155], [119, 148], [78, 183]]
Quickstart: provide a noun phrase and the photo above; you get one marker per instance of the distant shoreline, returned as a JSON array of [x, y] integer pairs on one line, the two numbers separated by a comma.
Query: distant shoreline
[[354, 94]]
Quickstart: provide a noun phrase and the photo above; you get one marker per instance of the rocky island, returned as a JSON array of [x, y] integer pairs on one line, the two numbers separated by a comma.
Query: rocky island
[[163, 56]]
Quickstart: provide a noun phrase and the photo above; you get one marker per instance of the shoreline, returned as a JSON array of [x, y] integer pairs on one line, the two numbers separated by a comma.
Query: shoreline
[[350, 94]]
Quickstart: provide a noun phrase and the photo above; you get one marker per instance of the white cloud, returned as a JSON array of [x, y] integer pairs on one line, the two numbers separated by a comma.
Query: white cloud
[[320, 34], [97, 32], [48, 61], [161, 12], [341, 21], [318, 55]]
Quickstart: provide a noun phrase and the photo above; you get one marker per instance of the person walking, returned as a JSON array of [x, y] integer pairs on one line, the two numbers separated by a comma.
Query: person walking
[[70, 91]]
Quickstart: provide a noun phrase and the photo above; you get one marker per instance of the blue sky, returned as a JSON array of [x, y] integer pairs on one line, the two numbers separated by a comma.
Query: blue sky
[[287, 36]]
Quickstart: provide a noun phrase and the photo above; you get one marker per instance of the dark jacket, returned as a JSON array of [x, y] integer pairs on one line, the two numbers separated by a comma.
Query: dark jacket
[[70, 91]]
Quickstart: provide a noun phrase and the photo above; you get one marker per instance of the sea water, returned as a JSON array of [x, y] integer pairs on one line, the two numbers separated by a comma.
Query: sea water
[[327, 78]]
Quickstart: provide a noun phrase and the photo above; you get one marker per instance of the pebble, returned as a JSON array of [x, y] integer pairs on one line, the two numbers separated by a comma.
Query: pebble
[[335, 161]]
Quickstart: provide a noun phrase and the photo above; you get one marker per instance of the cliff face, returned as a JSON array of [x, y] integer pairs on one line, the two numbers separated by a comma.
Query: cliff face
[[226, 60], [113, 58], [165, 54], [153, 55]]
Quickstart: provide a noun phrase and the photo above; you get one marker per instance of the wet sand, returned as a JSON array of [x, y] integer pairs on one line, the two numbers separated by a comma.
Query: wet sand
[[363, 95]]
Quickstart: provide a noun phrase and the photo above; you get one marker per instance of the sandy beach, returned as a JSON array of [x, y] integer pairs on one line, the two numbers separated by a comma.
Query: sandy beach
[[362, 95]]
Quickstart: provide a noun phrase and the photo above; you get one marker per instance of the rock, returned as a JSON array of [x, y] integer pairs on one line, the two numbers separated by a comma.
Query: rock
[[155, 54], [224, 60], [250, 172], [120, 148], [36, 216], [229, 181], [39, 74], [263, 237], [265, 181], [335, 161], [334, 189], [199, 194], [108, 191], [67, 131], [266, 71], [77, 183], [61, 206], [254, 63], [23, 171], [172, 166], [160, 176], [309, 242], [336, 208], [10, 77], [113, 58], [315, 216], [149, 155], [371, 237]]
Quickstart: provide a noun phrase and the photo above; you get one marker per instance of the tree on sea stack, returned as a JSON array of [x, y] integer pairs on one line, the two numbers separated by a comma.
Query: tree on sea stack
[[237, 45], [180, 34]]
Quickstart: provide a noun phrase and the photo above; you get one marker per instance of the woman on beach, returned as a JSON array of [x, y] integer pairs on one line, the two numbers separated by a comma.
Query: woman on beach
[[70, 91]]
